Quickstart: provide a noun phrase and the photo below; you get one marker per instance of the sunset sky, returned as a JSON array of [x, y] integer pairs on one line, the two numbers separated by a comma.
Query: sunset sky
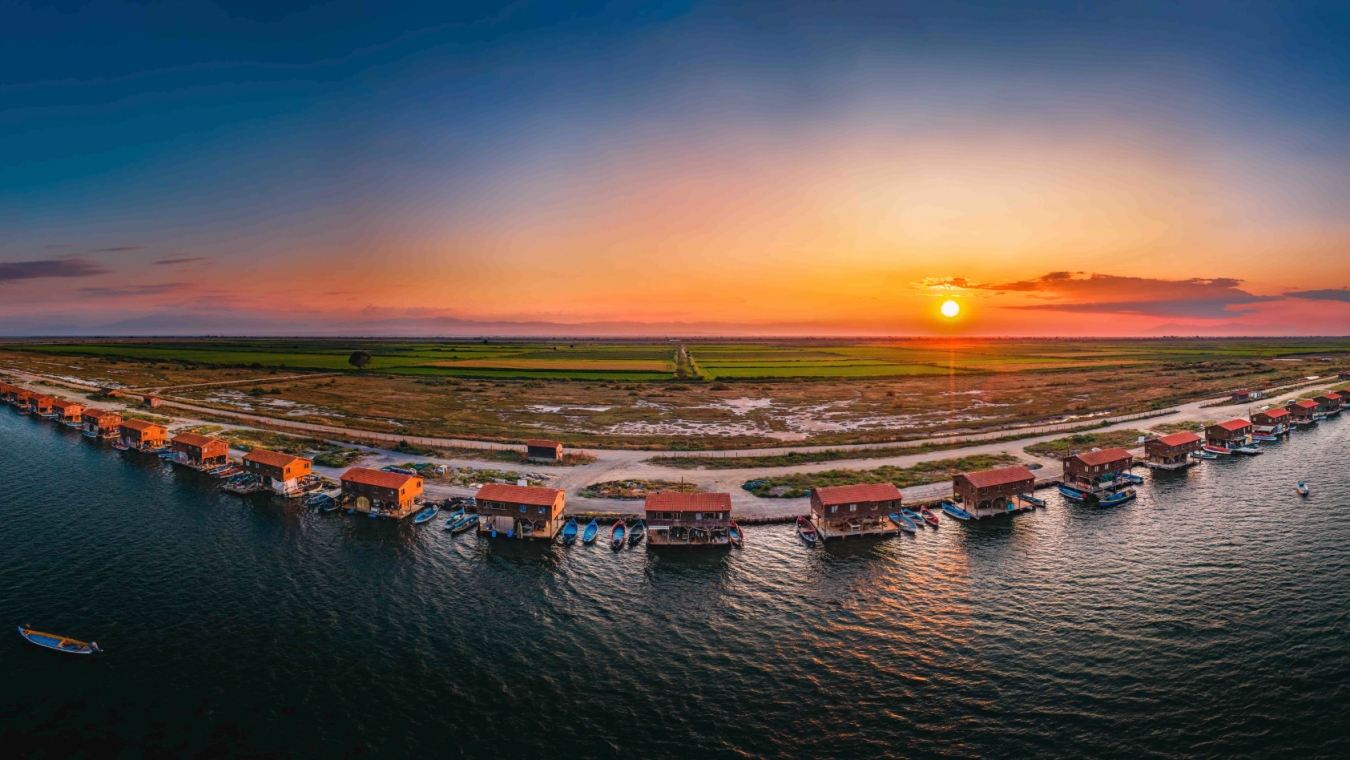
[[674, 168]]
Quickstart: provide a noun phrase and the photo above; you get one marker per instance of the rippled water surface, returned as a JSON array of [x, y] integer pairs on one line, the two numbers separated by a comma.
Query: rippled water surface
[[1206, 619]]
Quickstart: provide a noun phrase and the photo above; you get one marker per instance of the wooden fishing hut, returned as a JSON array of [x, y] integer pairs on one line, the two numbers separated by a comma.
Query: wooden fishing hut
[[544, 450], [1329, 403], [988, 493], [41, 405], [280, 472], [388, 494], [199, 451], [1171, 452], [688, 519], [1271, 421], [1302, 412], [101, 423], [1095, 472], [68, 412], [860, 510], [142, 435], [518, 511], [1229, 433]]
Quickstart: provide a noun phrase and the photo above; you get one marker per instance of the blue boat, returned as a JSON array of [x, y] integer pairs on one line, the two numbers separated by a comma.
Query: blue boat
[[912, 515], [426, 514], [1132, 478], [588, 535], [569, 532], [453, 518], [616, 534], [1203, 455], [956, 511], [466, 521], [1264, 437], [58, 643], [638, 532], [1028, 498], [1119, 497], [904, 523], [1072, 493]]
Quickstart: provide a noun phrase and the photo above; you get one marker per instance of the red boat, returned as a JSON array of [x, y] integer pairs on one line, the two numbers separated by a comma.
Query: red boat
[[1220, 450], [807, 530], [734, 533], [928, 516]]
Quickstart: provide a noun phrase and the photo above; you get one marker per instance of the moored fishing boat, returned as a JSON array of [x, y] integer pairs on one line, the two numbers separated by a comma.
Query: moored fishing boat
[[592, 529], [928, 516], [1250, 451], [1222, 451], [1264, 437], [636, 535], [955, 511], [120, 446], [1119, 497], [904, 523], [426, 514], [569, 531], [1072, 493], [1130, 477], [1302, 488], [806, 530], [1203, 455], [911, 514], [58, 643], [734, 534], [1032, 500], [616, 534]]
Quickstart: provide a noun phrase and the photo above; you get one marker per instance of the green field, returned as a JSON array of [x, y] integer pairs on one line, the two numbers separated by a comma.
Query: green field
[[659, 360]]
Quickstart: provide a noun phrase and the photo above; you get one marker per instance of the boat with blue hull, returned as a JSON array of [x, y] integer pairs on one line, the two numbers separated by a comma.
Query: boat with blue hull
[[1032, 500], [426, 514], [904, 523], [569, 532], [616, 534], [57, 643], [1119, 497], [955, 511], [1072, 493], [592, 529]]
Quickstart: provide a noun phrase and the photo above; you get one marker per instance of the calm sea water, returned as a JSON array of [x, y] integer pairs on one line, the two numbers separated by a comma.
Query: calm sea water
[[1206, 619]]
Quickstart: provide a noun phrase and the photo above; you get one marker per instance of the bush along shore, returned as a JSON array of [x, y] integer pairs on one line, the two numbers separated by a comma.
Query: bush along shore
[[800, 484]]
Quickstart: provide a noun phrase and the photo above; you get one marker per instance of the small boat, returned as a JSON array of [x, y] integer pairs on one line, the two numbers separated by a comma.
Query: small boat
[[453, 518], [636, 534], [904, 523], [1264, 437], [1072, 493], [1119, 497], [1032, 500], [928, 516], [569, 532], [1130, 477], [426, 514], [912, 515], [329, 505], [616, 534], [121, 446], [1218, 450], [466, 521], [1203, 455], [956, 511], [806, 530], [58, 643], [735, 535], [588, 535], [1302, 488], [1250, 451]]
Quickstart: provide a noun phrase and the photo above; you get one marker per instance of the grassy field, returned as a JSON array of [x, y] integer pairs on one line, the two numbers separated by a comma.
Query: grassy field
[[1073, 444], [635, 489], [800, 484], [692, 395]]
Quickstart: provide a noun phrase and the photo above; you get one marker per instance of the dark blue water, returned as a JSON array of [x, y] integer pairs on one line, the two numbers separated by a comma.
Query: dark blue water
[[1206, 619]]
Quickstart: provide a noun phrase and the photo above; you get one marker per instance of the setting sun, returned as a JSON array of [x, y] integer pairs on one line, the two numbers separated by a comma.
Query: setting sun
[[950, 308]]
